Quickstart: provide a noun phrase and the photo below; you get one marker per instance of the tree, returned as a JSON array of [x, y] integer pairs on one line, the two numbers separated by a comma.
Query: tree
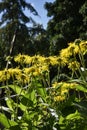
[[42, 44], [38, 42], [68, 22], [14, 33], [13, 22]]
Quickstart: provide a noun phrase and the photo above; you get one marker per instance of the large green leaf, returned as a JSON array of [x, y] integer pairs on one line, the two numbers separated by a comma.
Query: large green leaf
[[32, 96], [10, 103], [17, 89], [42, 93], [6, 122], [22, 107], [26, 102]]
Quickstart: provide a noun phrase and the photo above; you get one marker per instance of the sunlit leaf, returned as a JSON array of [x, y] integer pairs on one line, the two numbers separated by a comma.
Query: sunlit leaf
[[81, 88], [72, 116], [6, 122], [17, 89], [10, 103], [42, 92]]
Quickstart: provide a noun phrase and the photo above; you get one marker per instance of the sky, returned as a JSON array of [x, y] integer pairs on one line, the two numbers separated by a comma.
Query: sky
[[39, 6]]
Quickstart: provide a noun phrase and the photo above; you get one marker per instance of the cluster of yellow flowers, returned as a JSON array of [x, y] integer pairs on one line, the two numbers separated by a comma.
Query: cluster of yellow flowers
[[37, 59], [23, 59], [22, 75], [69, 55], [38, 65], [83, 47], [32, 66], [69, 52], [73, 49], [61, 90], [74, 65]]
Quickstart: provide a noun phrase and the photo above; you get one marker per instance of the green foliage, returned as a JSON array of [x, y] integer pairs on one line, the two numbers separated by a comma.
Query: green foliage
[[68, 22]]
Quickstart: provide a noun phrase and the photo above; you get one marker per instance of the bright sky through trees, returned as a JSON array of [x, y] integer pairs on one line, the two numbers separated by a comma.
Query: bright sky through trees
[[39, 6]]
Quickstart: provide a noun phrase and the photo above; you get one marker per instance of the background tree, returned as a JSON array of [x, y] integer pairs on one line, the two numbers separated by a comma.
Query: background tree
[[14, 22], [38, 42], [68, 22]]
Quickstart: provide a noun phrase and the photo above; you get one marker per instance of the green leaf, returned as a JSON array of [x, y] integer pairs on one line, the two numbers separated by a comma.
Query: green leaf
[[32, 96], [72, 116], [81, 88], [6, 122], [61, 119], [10, 103], [26, 102], [61, 123], [17, 89], [22, 107], [42, 92], [31, 116]]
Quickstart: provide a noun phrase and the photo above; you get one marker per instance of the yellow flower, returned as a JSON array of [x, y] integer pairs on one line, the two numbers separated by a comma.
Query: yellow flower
[[43, 68], [73, 85], [73, 49], [83, 47], [61, 93], [29, 70], [74, 65], [55, 84], [61, 61], [65, 85], [23, 78], [59, 98], [36, 72], [65, 53], [4, 75], [53, 60], [23, 59], [14, 72], [41, 59], [64, 91]]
